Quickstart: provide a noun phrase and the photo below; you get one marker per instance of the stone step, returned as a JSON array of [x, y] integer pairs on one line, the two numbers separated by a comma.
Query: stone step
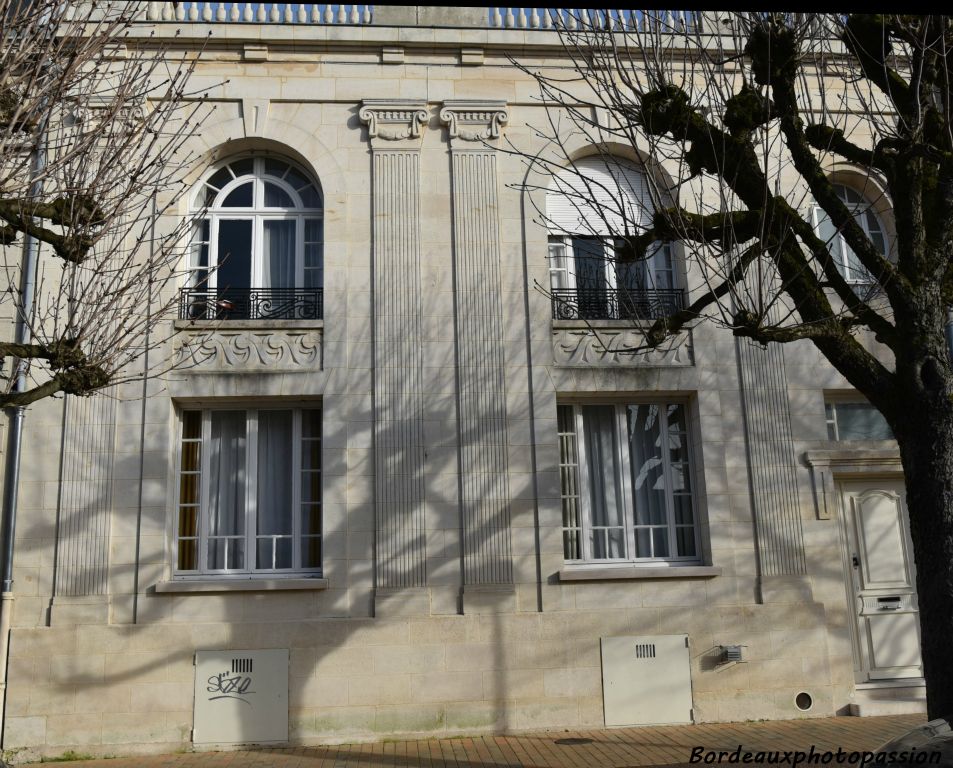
[[889, 699]]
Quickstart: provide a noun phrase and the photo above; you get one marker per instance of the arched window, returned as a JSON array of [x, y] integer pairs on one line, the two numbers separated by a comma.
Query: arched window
[[844, 257], [257, 252], [593, 210]]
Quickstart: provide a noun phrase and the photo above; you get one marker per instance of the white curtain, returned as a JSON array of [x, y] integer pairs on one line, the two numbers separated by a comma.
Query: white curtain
[[226, 490], [648, 481], [275, 480], [605, 498], [279, 248]]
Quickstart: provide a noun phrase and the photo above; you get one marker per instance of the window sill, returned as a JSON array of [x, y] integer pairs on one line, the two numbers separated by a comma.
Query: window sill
[[238, 585], [634, 572], [238, 325]]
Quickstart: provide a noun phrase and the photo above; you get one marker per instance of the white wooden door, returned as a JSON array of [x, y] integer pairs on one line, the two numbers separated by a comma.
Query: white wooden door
[[883, 580]]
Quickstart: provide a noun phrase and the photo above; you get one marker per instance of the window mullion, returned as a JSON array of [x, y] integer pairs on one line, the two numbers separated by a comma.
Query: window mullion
[[608, 253], [667, 481], [693, 470], [296, 464], [205, 464], [585, 494], [625, 465], [212, 281], [570, 262], [299, 251], [258, 252], [251, 491]]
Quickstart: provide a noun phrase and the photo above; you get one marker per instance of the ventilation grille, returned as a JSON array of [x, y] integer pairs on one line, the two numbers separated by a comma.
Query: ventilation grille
[[241, 665], [645, 651]]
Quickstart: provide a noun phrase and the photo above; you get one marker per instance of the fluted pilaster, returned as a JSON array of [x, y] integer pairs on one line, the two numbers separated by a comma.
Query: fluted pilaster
[[485, 499], [771, 460], [394, 129]]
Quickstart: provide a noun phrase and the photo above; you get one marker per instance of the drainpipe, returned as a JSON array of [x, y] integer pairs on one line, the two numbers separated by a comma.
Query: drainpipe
[[16, 415], [949, 330]]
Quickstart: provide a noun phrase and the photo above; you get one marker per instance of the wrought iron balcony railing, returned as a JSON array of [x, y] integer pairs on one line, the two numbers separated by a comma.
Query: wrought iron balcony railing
[[251, 304], [615, 303]]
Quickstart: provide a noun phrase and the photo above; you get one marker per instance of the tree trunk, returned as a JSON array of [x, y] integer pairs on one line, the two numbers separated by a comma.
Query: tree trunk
[[926, 449]]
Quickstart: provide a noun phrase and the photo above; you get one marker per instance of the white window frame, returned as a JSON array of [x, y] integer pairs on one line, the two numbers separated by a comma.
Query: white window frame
[[562, 259], [251, 478], [858, 211], [257, 213], [831, 404], [623, 462]]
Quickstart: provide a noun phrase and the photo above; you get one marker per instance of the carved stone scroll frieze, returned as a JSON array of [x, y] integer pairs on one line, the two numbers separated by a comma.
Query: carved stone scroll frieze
[[618, 348], [244, 350]]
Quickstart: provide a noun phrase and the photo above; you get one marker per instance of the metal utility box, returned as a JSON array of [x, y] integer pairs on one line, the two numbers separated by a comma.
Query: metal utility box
[[646, 680], [241, 697]]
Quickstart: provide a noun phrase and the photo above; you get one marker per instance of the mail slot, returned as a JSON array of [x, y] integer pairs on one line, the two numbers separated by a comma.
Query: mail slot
[[886, 604]]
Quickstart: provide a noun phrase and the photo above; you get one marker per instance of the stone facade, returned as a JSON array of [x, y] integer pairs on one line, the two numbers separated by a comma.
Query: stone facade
[[444, 603]]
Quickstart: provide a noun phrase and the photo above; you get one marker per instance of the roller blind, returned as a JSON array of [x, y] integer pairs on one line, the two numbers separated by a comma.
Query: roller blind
[[597, 197]]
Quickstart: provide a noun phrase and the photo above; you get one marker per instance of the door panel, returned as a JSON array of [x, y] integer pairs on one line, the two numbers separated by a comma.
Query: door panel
[[883, 580]]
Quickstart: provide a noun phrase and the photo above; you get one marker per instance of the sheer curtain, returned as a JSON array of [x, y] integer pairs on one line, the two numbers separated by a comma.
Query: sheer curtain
[[608, 526], [226, 510], [648, 481], [275, 480], [279, 253]]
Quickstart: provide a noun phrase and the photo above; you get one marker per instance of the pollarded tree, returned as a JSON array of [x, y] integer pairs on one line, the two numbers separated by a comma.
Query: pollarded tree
[[748, 114], [92, 128]]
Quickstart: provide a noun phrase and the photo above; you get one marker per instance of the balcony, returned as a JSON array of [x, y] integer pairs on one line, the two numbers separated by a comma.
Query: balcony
[[615, 303], [251, 304]]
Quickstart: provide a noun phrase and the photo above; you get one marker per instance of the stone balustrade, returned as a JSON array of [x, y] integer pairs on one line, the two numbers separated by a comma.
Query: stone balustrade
[[219, 11]]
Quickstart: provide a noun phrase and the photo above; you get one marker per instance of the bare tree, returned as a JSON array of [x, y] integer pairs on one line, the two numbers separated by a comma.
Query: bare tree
[[93, 124], [746, 121]]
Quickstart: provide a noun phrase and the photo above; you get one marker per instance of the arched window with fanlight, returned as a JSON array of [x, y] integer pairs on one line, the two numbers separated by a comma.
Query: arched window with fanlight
[[258, 246], [853, 271], [594, 210]]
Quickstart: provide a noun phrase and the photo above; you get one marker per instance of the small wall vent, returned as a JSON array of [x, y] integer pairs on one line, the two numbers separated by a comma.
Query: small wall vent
[[241, 666], [645, 651]]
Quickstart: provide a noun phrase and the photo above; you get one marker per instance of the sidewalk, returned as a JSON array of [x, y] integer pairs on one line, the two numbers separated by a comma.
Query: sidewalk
[[618, 748]]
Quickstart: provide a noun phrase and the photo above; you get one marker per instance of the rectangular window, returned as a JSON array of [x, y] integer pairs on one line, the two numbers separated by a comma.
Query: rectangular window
[[856, 421], [598, 278], [626, 483], [249, 492]]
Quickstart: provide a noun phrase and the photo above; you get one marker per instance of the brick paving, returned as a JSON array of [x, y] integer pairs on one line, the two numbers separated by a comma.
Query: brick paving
[[612, 748]]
